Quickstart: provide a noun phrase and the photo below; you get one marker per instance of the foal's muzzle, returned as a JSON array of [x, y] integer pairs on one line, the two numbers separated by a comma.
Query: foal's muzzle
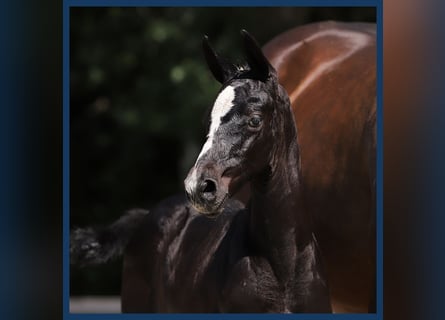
[[205, 189]]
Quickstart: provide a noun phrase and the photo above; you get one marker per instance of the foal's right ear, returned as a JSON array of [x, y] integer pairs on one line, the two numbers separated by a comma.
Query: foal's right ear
[[221, 69], [256, 58]]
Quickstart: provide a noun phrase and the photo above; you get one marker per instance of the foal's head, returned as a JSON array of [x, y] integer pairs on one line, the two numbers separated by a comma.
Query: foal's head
[[249, 123]]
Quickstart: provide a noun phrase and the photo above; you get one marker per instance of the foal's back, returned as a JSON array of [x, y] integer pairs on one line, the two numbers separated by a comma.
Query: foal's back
[[329, 72]]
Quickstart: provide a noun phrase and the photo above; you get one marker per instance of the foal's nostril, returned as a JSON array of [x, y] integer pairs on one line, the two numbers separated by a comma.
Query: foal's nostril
[[208, 188]]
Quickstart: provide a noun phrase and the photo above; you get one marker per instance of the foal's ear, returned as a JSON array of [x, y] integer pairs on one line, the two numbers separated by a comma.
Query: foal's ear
[[221, 69], [255, 57]]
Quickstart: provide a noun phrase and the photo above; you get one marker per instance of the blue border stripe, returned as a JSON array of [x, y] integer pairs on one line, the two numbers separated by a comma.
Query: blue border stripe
[[66, 157], [223, 316], [222, 3], [379, 181]]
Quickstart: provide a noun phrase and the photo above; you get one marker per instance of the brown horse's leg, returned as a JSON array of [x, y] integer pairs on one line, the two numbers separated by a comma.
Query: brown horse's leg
[[372, 303], [372, 164]]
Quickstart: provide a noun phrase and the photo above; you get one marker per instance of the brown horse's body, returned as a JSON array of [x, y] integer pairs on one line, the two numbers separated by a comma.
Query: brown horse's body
[[329, 72]]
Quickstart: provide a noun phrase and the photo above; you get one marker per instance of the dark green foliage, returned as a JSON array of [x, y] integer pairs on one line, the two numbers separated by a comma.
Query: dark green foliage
[[138, 95]]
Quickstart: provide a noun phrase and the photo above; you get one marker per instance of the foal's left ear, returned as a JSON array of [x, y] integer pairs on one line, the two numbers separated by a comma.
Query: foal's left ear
[[221, 69], [255, 57]]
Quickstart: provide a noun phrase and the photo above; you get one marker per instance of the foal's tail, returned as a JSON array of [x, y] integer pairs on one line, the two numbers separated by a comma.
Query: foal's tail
[[95, 246]]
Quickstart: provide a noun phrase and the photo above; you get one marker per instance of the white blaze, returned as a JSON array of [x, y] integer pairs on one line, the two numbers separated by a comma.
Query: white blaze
[[223, 104]]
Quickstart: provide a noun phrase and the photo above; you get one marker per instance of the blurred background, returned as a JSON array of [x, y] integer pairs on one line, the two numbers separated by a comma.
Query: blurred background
[[140, 89]]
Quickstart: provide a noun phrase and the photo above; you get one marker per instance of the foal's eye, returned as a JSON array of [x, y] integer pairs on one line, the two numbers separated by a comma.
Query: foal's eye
[[254, 122]]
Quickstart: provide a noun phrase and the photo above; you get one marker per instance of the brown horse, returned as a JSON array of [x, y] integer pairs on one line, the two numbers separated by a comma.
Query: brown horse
[[329, 72]]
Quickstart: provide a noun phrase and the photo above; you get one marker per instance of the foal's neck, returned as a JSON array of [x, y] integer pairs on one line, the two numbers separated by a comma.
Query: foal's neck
[[279, 225]]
